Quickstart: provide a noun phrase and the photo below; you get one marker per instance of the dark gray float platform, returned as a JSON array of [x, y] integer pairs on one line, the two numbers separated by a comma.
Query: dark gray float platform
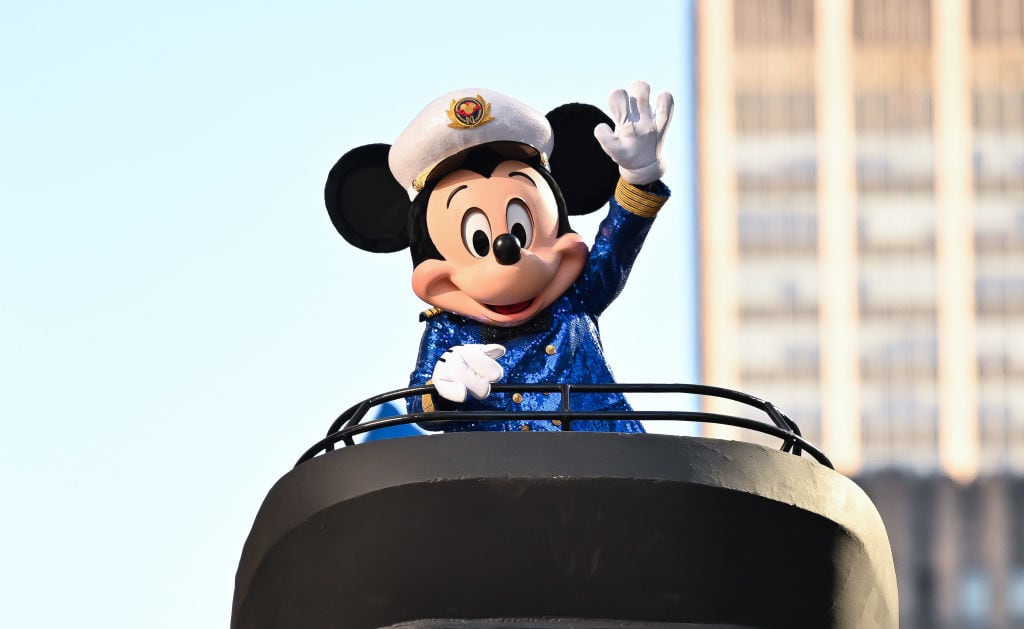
[[553, 530]]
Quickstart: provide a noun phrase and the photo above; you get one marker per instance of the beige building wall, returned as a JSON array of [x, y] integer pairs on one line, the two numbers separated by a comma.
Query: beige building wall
[[862, 223]]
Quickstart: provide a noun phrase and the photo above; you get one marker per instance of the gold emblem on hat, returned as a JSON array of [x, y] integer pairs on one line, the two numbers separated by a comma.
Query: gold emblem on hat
[[469, 112]]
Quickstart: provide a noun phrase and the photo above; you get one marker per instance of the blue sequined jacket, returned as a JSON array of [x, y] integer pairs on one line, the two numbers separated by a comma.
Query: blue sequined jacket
[[562, 343]]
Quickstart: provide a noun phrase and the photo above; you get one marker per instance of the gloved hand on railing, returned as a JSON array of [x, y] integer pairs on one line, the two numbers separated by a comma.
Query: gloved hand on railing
[[467, 368]]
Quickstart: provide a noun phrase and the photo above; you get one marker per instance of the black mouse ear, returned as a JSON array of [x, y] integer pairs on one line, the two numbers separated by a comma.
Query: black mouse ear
[[584, 172], [367, 206]]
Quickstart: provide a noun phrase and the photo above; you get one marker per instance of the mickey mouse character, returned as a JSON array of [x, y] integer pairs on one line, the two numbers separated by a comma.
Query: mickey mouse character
[[480, 187]]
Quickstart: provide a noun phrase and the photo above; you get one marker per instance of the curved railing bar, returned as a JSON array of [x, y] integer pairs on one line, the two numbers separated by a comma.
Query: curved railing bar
[[347, 425], [352, 415]]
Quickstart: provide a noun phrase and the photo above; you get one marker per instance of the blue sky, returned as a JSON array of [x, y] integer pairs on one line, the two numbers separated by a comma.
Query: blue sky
[[178, 318]]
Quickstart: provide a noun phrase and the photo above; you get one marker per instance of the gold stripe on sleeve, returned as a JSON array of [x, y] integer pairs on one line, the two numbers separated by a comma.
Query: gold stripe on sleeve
[[637, 201], [427, 400]]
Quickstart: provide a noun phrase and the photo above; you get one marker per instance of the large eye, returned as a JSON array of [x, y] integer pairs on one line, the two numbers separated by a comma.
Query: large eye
[[476, 233], [520, 224]]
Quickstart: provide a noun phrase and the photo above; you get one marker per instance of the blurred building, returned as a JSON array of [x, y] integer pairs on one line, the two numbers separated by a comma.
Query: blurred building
[[862, 223], [861, 220], [958, 549]]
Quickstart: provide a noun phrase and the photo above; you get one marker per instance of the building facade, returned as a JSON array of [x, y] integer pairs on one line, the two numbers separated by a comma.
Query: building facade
[[958, 549], [861, 210]]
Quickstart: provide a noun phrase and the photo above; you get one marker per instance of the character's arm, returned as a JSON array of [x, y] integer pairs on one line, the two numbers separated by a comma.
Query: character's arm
[[635, 145], [618, 242]]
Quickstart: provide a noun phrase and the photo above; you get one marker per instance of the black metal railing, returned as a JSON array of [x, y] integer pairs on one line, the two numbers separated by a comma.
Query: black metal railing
[[349, 424]]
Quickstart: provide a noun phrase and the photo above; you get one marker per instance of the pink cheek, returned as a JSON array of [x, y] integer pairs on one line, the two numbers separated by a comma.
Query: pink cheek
[[472, 275]]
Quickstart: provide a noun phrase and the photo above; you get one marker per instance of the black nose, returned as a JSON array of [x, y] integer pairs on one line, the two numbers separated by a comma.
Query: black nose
[[506, 249]]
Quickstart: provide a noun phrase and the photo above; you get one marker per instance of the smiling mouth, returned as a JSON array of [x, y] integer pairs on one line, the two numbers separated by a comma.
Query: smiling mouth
[[511, 309]]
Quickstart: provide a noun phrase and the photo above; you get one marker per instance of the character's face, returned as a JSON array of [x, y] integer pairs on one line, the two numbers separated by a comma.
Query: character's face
[[503, 259]]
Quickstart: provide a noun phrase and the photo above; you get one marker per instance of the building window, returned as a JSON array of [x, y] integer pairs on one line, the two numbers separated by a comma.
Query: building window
[[998, 109], [886, 21], [774, 22], [999, 294], [905, 359], [1015, 600], [997, 20], [778, 233], [894, 111], [775, 111], [975, 596]]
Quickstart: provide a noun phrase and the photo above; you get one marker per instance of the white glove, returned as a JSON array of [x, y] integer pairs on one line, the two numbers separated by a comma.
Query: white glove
[[468, 368], [635, 145]]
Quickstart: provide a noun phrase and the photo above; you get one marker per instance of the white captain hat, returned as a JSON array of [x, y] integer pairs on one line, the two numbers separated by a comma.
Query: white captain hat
[[461, 120]]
